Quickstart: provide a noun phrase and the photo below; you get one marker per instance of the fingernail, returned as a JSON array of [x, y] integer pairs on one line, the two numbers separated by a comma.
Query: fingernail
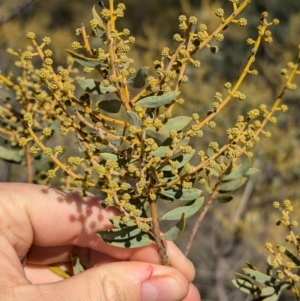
[[162, 289]]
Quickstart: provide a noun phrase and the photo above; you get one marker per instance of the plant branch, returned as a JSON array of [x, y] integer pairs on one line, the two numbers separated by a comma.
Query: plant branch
[[156, 233], [198, 221]]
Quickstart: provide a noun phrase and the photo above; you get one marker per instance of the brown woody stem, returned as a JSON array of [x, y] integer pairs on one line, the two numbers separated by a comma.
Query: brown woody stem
[[156, 233]]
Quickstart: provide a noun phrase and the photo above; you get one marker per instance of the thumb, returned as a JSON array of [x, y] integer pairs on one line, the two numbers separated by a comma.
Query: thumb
[[119, 281]]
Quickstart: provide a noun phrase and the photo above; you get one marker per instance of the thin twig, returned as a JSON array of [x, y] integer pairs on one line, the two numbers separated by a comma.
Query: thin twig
[[197, 224], [157, 236]]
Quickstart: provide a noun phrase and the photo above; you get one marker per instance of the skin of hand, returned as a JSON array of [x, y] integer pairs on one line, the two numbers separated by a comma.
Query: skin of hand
[[45, 224]]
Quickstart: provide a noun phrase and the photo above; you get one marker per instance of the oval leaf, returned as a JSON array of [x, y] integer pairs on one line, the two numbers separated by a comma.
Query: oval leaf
[[100, 32], [183, 194], [267, 291], [188, 209], [185, 141], [157, 101], [94, 87], [85, 61], [274, 297], [110, 106], [105, 149], [109, 157], [176, 231], [176, 123], [141, 240], [232, 185], [210, 152], [134, 119], [11, 155], [130, 237], [245, 286], [160, 151], [181, 160], [100, 28], [208, 188], [238, 171], [257, 276], [159, 138], [251, 171]]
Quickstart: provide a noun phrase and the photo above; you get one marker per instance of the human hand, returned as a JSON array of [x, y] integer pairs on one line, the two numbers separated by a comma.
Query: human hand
[[45, 225]]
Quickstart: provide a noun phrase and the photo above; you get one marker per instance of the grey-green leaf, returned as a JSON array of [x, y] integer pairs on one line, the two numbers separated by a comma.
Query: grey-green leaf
[[232, 185], [85, 61], [208, 188], [100, 28], [129, 237], [140, 240], [245, 286], [11, 155], [257, 276], [94, 87], [251, 171], [242, 276], [157, 101], [134, 119], [105, 149], [188, 209], [43, 163], [272, 298], [109, 157], [158, 137], [185, 141], [181, 160], [210, 152], [238, 171], [182, 194], [267, 291], [176, 123], [176, 231], [160, 151]]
